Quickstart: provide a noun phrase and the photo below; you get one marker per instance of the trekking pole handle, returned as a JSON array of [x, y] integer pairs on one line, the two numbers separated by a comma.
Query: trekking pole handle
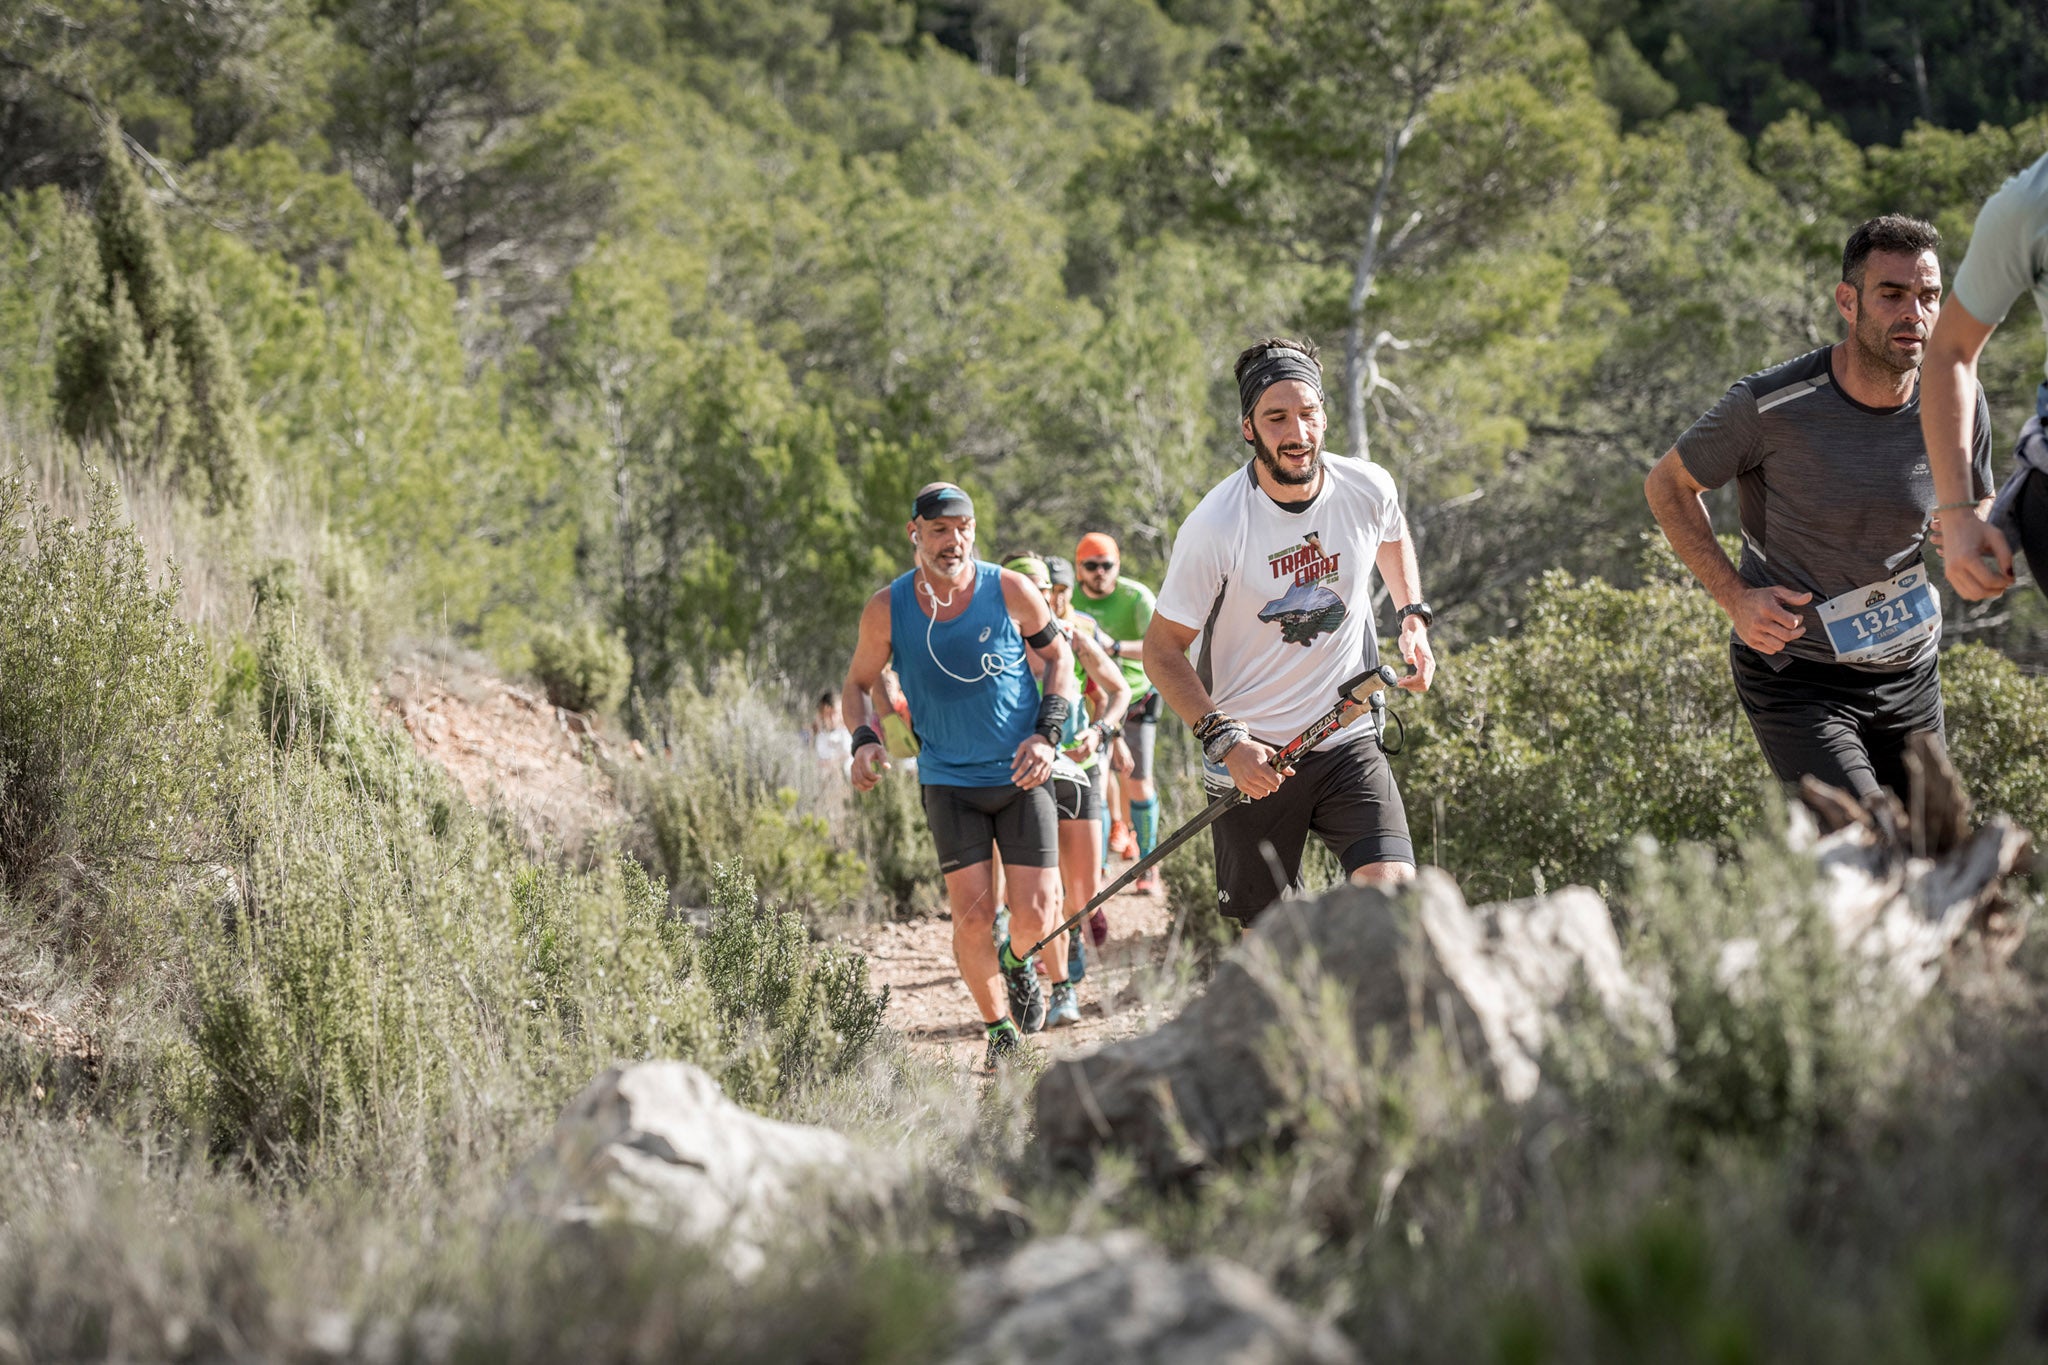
[[1364, 689]]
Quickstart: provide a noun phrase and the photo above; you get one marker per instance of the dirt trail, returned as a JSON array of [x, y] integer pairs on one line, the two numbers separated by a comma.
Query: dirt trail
[[930, 1005]]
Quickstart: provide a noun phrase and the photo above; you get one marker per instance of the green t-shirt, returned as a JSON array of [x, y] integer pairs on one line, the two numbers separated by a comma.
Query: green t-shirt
[[1124, 615], [2009, 250]]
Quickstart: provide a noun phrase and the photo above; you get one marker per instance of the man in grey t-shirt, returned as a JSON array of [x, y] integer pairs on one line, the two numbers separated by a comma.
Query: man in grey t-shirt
[[1836, 626]]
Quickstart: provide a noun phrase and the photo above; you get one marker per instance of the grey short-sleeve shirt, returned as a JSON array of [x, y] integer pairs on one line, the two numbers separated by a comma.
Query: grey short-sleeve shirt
[[1832, 495], [2008, 255]]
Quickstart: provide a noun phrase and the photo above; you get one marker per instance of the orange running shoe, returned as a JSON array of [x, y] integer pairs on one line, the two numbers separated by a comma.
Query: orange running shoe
[[1148, 883], [1122, 842]]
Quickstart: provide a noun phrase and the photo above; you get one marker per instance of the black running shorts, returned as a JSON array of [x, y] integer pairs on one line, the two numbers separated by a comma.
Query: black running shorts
[[969, 823], [1843, 725], [1345, 795], [1076, 800]]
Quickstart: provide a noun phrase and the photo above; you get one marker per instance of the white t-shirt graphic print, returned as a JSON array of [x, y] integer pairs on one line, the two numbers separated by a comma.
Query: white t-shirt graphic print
[[1290, 593]]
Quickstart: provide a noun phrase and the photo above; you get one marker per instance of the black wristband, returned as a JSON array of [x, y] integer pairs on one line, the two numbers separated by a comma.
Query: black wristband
[[1052, 717], [865, 736]]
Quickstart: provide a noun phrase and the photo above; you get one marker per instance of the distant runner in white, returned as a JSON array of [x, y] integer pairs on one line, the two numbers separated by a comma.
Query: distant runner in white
[[1270, 583], [1837, 629]]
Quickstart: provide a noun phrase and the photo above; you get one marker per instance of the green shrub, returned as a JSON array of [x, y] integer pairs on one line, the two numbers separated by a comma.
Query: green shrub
[[391, 987], [739, 787], [143, 361], [809, 1007], [1536, 759], [583, 669], [104, 745], [1998, 732], [305, 700], [1775, 1049]]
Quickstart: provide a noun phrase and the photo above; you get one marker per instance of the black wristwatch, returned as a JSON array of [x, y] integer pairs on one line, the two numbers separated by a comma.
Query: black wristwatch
[[1417, 609]]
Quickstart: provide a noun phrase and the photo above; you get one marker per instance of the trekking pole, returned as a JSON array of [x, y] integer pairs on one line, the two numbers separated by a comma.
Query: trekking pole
[[1367, 690]]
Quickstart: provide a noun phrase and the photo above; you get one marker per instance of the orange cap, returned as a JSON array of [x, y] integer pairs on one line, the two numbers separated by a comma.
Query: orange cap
[[1096, 545]]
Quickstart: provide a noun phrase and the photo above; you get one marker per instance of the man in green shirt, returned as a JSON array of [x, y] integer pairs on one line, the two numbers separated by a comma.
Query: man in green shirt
[[1122, 608], [2008, 257]]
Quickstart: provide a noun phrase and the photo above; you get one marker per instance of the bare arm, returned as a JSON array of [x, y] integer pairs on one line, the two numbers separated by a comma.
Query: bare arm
[[1947, 411], [1166, 651], [1032, 764], [1172, 675], [1103, 672], [1403, 576], [1030, 614], [1115, 693], [870, 657], [1761, 616]]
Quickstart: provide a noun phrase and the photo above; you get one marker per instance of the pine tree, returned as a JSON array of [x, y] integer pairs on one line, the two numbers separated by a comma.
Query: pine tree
[[85, 335], [221, 437], [143, 361]]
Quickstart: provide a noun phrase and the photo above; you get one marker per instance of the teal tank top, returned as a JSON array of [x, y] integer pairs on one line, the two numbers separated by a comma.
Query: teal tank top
[[969, 682]]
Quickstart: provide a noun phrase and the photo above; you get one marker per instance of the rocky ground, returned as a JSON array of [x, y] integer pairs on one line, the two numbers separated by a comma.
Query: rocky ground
[[507, 746]]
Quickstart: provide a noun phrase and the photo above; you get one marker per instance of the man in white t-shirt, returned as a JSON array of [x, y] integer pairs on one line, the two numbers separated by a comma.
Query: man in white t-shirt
[[1270, 585]]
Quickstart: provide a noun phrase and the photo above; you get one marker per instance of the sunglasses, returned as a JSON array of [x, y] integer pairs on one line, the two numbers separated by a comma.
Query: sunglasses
[[1097, 565]]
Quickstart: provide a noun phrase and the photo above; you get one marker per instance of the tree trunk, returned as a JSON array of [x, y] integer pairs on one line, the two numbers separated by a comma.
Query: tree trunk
[[1363, 275]]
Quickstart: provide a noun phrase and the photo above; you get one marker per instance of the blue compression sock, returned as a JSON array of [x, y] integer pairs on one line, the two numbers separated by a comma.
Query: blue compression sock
[[1145, 824]]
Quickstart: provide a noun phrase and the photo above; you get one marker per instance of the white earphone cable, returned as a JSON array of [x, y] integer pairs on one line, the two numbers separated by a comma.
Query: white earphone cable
[[992, 665]]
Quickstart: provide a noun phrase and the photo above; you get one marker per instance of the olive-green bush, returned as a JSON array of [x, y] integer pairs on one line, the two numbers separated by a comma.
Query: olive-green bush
[[1537, 758], [105, 747], [736, 785], [1997, 721], [584, 669]]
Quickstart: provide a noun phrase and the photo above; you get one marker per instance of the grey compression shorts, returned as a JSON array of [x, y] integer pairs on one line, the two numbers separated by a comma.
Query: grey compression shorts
[[1141, 731], [1077, 800]]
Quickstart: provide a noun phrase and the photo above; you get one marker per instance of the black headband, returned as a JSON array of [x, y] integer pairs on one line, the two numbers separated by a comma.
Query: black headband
[[1276, 366], [946, 500]]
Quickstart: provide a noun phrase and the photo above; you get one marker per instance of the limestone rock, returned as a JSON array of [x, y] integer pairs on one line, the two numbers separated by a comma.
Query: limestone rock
[[1209, 1083], [659, 1146], [1117, 1298]]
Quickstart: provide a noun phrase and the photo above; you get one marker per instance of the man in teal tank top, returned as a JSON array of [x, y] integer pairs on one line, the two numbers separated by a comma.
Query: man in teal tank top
[[962, 635]]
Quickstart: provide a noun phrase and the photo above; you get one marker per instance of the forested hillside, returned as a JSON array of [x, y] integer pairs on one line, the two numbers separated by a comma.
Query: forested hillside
[[363, 361], [653, 313]]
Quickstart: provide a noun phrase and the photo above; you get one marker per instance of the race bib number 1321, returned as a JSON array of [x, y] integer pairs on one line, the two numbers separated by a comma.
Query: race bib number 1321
[[1884, 620]]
